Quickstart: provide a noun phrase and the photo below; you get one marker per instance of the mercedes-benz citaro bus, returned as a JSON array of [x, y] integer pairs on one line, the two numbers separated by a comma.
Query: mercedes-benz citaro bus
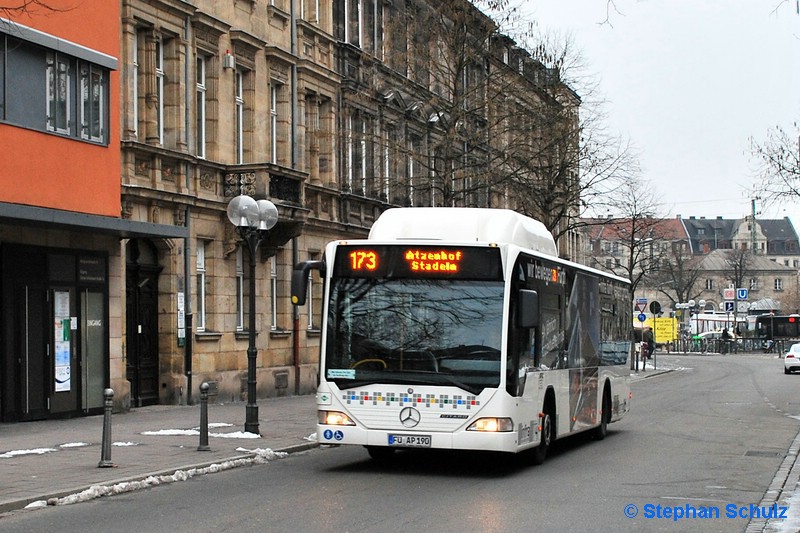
[[460, 328]]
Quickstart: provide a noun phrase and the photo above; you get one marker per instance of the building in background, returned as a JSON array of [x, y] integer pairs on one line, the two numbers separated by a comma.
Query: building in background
[[701, 259]]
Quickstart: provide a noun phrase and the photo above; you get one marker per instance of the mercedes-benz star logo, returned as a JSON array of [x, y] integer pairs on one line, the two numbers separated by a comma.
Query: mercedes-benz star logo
[[409, 417]]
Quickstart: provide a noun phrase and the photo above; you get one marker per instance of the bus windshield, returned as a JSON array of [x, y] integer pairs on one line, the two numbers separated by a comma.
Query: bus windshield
[[414, 331]]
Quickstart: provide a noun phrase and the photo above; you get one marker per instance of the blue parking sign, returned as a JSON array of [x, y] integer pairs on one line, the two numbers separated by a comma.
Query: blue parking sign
[[741, 294]]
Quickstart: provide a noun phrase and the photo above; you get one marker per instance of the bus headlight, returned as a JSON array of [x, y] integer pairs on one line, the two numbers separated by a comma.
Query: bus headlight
[[334, 418], [493, 425]]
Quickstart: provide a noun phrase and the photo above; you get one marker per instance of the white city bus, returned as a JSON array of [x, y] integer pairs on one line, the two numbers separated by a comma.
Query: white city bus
[[460, 328]]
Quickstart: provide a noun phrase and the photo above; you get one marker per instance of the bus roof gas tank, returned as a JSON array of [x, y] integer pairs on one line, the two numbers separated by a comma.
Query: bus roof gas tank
[[463, 224]]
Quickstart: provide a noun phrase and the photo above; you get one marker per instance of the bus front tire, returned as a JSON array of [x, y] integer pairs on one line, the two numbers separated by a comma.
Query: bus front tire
[[539, 454]]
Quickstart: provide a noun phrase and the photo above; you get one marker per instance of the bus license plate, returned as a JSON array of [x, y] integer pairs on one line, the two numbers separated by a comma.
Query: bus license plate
[[410, 441]]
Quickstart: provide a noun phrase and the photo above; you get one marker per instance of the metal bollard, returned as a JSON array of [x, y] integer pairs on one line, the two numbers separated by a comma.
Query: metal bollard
[[108, 403], [204, 447]]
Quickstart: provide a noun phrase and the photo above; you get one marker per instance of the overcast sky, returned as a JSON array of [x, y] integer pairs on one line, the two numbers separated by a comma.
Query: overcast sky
[[689, 82]]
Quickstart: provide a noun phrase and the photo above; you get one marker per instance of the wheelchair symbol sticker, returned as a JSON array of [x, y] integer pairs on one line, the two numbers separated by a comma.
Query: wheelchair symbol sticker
[[329, 434]]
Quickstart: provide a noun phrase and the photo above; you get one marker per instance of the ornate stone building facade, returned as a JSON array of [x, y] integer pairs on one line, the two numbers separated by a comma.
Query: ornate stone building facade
[[334, 111]]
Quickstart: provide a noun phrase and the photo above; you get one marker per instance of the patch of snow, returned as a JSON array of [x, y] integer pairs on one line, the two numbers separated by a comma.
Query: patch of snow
[[236, 435], [266, 453], [34, 451], [261, 456], [792, 521], [172, 432], [74, 445], [122, 444], [312, 437], [195, 432], [38, 504]]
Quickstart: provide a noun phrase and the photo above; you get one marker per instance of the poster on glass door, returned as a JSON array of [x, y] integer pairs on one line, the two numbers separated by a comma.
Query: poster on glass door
[[63, 345]]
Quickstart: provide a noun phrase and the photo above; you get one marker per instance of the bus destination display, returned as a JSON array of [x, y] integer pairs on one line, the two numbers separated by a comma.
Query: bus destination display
[[419, 261]]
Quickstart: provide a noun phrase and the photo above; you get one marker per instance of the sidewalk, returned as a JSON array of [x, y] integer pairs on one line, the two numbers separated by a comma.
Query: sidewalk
[[55, 458]]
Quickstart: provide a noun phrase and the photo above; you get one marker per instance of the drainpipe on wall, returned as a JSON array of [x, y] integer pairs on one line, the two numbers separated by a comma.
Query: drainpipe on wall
[[187, 242], [296, 328], [293, 16], [295, 253], [187, 290]]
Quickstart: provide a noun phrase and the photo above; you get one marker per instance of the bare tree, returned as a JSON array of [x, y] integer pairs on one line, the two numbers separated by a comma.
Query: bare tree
[[779, 164], [458, 113], [677, 276], [30, 7], [738, 264], [636, 228], [580, 163]]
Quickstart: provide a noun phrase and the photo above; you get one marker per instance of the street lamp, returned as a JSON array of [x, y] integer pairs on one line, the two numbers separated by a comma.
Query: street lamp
[[701, 306], [252, 220]]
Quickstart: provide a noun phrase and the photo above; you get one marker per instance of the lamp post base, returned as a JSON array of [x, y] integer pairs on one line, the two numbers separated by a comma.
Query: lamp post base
[[251, 419]]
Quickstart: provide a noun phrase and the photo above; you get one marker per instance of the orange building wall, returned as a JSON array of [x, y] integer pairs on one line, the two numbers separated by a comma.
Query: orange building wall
[[48, 170]]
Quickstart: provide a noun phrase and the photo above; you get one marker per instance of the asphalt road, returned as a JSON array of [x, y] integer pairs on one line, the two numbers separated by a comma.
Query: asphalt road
[[711, 434]]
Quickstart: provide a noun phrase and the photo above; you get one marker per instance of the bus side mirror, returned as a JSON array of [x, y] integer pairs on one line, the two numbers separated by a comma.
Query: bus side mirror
[[300, 279], [528, 310]]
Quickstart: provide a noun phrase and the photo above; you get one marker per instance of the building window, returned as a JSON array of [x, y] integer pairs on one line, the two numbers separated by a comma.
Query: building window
[[240, 312], [239, 116], [273, 291], [309, 10], [93, 112], [135, 118], [753, 284], [160, 89], [58, 83], [54, 91], [273, 121], [200, 111], [778, 284], [709, 284], [201, 286], [353, 22]]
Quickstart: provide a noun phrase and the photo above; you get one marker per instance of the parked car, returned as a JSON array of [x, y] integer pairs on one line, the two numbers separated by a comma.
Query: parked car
[[791, 360], [717, 335], [713, 340]]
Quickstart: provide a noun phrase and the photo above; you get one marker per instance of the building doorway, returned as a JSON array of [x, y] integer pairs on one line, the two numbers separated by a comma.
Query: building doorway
[[55, 340], [141, 296]]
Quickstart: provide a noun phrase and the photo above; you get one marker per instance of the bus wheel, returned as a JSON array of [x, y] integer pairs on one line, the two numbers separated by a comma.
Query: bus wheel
[[601, 431], [380, 453], [539, 453]]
